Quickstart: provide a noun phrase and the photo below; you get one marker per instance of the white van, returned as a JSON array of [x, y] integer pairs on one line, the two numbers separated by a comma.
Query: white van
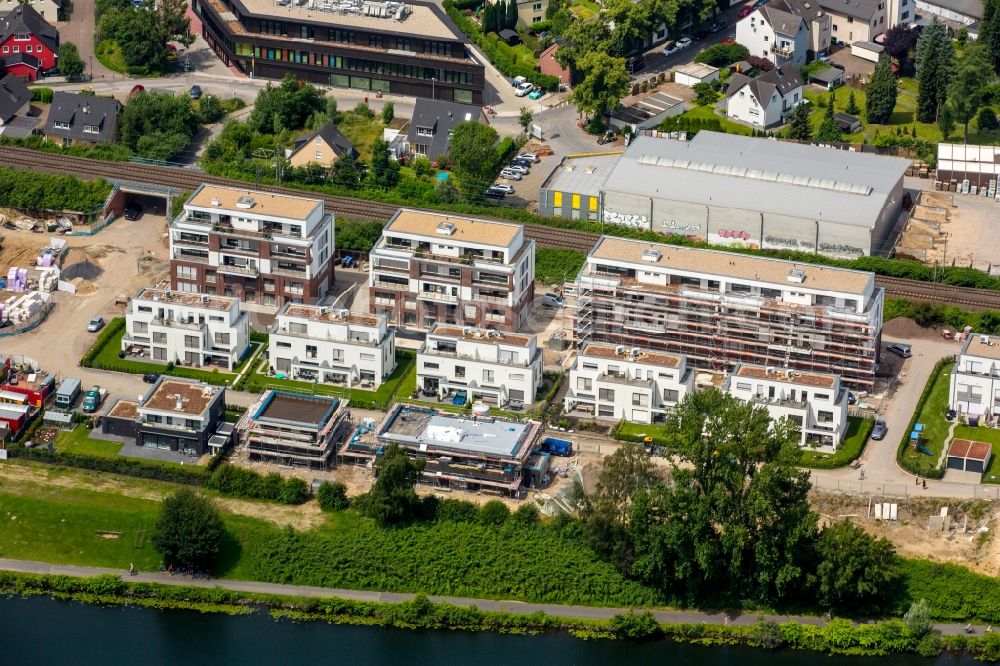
[[518, 81]]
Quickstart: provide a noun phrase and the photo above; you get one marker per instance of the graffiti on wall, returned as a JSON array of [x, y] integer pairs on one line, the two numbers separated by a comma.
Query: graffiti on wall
[[734, 233], [672, 227], [626, 219]]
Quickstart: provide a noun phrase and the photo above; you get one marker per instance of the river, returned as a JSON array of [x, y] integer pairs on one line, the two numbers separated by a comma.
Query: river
[[43, 631]]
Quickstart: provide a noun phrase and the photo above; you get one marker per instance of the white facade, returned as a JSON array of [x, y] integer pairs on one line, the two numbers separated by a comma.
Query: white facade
[[186, 329], [47, 9], [974, 385], [489, 365], [788, 43], [309, 342], [744, 105], [622, 383], [815, 403]]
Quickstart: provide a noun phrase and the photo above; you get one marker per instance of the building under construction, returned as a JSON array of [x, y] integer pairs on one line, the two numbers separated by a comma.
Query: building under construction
[[293, 429], [721, 309]]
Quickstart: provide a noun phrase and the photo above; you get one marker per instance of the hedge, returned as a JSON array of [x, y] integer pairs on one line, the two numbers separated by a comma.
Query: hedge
[[244, 483], [137, 467], [931, 472], [35, 192], [850, 451], [42, 95]]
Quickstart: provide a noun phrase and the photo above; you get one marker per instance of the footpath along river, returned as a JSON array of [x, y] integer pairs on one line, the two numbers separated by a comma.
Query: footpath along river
[[44, 631]]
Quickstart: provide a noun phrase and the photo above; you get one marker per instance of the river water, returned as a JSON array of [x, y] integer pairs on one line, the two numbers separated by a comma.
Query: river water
[[43, 631]]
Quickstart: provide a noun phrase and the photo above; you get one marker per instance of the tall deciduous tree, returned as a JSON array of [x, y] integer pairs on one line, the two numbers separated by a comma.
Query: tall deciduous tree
[[384, 169], [935, 58], [881, 93], [582, 37], [188, 530], [899, 42], [799, 127], [603, 85], [965, 91], [829, 130], [989, 32], [473, 158], [856, 572], [392, 499], [524, 118], [70, 62]]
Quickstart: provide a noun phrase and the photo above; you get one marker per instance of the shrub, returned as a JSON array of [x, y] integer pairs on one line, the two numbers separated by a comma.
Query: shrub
[[247, 484], [635, 625], [458, 511], [494, 512], [526, 514], [767, 634], [332, 496], [136, 467], [722, 55], [41, 95], [918, 618], [987, 119], [188, 530]]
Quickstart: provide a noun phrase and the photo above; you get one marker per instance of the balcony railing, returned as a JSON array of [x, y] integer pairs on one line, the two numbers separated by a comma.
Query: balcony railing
[[783, 51], [238, 270], [437, 296], [779, 402], [287, 271]]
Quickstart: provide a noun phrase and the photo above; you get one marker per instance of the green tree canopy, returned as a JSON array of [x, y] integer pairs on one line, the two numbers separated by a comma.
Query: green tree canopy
[[384, 170], [881, 93], [332, 496], [965, 90], [473, 158], [603, 84], [70, 63], [800, 127], [829, 130], [989, 33], [935, 59], [157, 125], [285, 106], [857, 572], [392, 499], [188, 530]]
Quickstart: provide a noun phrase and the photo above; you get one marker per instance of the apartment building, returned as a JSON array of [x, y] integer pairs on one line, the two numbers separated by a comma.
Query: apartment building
[[293, 429], [974, 385], [168, 326], [332, 346], [434, 268], [258, 247], [814, 402], [470, 363], [626, 383], [720, 309]]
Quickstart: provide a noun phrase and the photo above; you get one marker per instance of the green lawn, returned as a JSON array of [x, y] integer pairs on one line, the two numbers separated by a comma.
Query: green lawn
[[849, 451], [728, 126], [935, 425], [635, 432], [110, 55], [78, 440], [362, 132]]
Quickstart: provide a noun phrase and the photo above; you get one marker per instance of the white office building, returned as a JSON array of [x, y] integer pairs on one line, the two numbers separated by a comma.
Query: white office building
[[974, 386], [168, 326], [625, 383], [488, 365], [332, 346], [815, 402]]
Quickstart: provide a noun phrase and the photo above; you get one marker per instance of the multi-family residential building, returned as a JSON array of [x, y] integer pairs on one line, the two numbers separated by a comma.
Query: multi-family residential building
[[177, 414], [468, 362], [765, 101], [433, 268], [50, 10], [78, 118], [626, 383], [433, 121], [777, 32], [332, 346], [168, 326], [293, 429], [814, 402], [721, 309], [258, 247], [409, 48], [974, 385]]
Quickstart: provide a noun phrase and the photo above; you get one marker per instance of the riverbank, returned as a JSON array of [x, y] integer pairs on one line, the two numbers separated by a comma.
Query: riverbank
[[835, 637]]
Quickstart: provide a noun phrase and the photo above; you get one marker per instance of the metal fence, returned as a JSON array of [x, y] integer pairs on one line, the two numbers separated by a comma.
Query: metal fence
[[46, 309]]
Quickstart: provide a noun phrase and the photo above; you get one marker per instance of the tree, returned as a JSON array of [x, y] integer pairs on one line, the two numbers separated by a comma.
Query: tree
[[899, 41], [525, 118], [881, 93], [332, 496], [632, 24], [935, 58], [829, 130], [946, 123], [385, 170], [494, 513], [286, 106], [210, 110], [188, 530], [965, 90], [707, 94], [392, 499], [157, 126], [583, 38], [603, 84], [852, 105], [388, 112], [800, 127], [70, 63], [989, 33], [511, 22], [918, 618], [345, 171], [987, 119], [722, 55], [473, 158], [856, 572]]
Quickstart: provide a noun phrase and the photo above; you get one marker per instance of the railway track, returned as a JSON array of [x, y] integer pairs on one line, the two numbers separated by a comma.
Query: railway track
[[552, 237]]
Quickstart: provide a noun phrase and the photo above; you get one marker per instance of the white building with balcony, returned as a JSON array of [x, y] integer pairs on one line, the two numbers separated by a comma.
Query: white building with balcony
[[258, 247], [332, 346], [168, 326], [815, 403], [624, 383], [492, 366], [974, 385]]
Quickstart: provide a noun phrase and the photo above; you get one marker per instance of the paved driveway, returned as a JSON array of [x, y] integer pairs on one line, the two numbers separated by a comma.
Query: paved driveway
[[80, 30]]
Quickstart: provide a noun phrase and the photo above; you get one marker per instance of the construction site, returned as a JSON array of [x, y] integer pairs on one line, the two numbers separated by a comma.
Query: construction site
[[952, 229]]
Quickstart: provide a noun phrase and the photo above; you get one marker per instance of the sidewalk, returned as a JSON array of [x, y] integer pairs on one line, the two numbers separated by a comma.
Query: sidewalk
[[517, 607]]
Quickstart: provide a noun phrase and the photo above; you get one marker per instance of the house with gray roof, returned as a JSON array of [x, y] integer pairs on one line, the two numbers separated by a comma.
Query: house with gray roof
[[15, 98], [764, 101], [433, 122], [75, 118], [324, 147]]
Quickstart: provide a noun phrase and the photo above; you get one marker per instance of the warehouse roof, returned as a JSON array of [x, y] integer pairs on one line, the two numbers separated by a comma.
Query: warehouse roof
[[585, 174], [777, 177]]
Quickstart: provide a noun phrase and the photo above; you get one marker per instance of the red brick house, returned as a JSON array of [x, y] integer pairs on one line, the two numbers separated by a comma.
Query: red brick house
[[28, 44], [547, 64]]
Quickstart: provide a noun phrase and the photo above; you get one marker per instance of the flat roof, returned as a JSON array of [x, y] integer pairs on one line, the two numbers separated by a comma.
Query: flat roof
[[647, 107], [601, 350], [424, 427], [732, 265], [299, 409], [759, 174], [328, 314], [582, 174], [124, 409], [964, 448], [258, 203], [420, 22], [696, 69], [484, 336], [467, 229], [789, 376], [975, 346], [178, 396], [172, 297]]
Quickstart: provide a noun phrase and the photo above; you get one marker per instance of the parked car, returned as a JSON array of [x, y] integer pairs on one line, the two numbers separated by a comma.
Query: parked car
[[684, 42], [670, 49], [851, 398], [137, 88], [494, 193], [950, 415], [717, 26], [96, 324], [515, 405], [531, 157], [510, 175], [879, 430], [759, 3], [517, 81], [195, 92], [746, 11], [150, 377], [504, 187], [537, 93], [554, 300], [523, 170], [347, 261], [524, 89], [132, 211], [527, 164], [900, 350], [699, 34]]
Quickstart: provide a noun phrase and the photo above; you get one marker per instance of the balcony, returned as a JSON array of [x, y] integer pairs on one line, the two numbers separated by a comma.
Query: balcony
[[302, 275], [783, 51], [247, 271], [437, 296], [236, 249], [179, 239], [778, 402], [180, 255], [489, 298], [622, 379]]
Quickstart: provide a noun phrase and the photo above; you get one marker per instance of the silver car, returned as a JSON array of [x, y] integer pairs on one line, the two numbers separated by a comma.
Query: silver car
[[510, 175]]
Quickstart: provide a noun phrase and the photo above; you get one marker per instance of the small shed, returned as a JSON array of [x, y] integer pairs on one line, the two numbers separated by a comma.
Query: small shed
[[647, 112], [867, 50], [693, 73], [58, 419], [510, 36], [847, 122], [828, 77], [969, 456]]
